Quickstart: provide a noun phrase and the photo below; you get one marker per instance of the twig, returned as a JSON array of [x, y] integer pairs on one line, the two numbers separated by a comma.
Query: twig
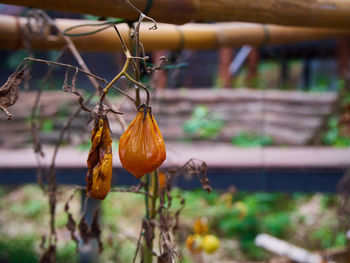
[[123, 72], [48, 62], [130, 190], [34, 126], [138, 245], [81, 62]]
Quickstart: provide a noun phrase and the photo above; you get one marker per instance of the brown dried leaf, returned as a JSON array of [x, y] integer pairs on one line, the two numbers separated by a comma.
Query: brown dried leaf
[[177, 215], [95, 230], [49, 256], [200, 170], [203, 179], [9, 91], [67, 88], [71, 224], [84, 229], [148, 228], [42, 243], [164, 258], [99, 161]]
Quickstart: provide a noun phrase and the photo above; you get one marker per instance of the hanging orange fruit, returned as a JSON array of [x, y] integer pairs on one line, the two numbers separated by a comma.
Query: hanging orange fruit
[[99, 162], [141, 146]]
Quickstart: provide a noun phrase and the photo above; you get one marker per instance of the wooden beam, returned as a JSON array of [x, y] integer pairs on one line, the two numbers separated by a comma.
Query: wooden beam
[[167, 36], [324, 13]]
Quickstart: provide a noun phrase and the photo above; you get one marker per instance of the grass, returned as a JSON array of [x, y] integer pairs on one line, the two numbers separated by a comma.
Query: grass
[[307, 220]]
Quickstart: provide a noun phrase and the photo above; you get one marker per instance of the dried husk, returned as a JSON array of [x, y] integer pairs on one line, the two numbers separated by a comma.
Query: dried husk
[[99, 162]]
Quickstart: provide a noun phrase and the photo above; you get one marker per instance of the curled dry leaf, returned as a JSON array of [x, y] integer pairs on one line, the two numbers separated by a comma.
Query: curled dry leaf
[[95, 230], [49, 256], [141, 146], [72, 88], [71, 224], [84, 229], [199, 168], [9, 91], [99, 162], [164, 258], [148, 228]]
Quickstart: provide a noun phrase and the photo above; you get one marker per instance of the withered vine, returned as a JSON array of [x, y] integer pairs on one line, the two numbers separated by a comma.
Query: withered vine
[[156, 186]]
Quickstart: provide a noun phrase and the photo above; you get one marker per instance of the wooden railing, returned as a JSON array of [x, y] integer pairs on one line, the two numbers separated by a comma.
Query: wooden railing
[[290, 117]]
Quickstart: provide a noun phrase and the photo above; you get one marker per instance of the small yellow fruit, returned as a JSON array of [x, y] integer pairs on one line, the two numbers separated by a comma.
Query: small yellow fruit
[[200, 226], [210, 243], [194, 243]]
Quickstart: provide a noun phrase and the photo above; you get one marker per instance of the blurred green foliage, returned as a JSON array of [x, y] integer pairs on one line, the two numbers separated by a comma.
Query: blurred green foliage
[[333, 136], [15, 59], [248, 139], [203, 123], [231, 215], [243, 215], [18, 250]]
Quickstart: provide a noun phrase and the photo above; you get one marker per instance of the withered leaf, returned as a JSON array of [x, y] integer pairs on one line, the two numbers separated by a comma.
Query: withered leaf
[[164, 258], [84, 229], [148, 228], [49, 256], [177, 215], [9, 91], [203, 179], [95, 230], [72, 88], [71, 224], [200, 170], [99, 175], [42, 243]]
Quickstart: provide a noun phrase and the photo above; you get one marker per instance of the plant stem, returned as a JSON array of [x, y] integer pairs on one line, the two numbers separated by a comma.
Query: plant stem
[[150, 204]]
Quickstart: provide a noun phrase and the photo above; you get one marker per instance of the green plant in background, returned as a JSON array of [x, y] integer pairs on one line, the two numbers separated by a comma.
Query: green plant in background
[[22, 213], [231, 215], [203, 123], [18, 249], [262, 213], [333, 136], [15, 59], [322, 84], [327, 239], [248, 139]]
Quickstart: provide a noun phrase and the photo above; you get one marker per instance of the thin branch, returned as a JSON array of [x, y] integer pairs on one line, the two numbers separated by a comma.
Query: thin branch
[[34, 127], [130, 190], [138, 245], [48, 62], [81, 62]]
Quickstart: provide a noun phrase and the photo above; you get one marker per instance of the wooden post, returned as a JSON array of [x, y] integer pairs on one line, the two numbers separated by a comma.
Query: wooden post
[[225, 59], [159, 77], [253, 62], [284, 72], [343, 56], [306, 73]]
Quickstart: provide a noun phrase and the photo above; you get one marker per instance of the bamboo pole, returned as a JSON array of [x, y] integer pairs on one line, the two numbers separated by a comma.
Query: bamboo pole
[[167, 36], [322, 13]]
